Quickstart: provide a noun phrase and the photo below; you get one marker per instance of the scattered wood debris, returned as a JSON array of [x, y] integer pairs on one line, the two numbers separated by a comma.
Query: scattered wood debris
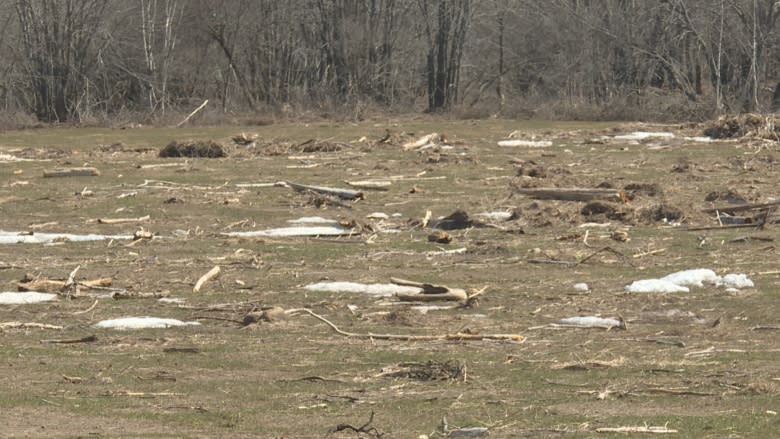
[[573, 194], [42, 284], [142, 219], [430, 292], [344, 194], [745, 125], [636, 429], [71, 172], [431, 370]]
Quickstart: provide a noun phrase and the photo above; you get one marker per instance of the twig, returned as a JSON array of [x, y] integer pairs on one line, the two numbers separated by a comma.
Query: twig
[[601, 250], [18, 325], [456, 336], [87, 310], [193, 113], [362, 429]]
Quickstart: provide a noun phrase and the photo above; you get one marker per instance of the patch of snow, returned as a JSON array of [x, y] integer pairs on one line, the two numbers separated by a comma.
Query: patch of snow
[[378, 216], [692, 278], [43, 238], [643, 135], [455, 251], [529, 143], [25, 298], [737, 281], [591, 322], [423, 309], [171, 300], [142, 323], [581, 287], [495, 216], [655, 286], [312, 220], [294, 231], [354, 287]]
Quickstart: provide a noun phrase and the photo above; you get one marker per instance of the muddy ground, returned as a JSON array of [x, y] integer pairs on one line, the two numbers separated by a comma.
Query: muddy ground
[[703, 363]]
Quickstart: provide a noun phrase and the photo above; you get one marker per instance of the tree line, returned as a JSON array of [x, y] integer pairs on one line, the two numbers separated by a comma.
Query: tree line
[[81, 61]]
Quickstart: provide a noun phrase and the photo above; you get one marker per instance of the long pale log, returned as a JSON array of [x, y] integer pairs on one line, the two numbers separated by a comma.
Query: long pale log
[[430, 292], [71, 172], [55, 286], [572, 194], [194, 112], [205, 278], [123, 220], [344, 194]]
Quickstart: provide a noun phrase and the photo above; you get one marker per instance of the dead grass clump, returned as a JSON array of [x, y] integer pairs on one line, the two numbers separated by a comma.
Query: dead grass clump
[[660, 212], [744, 125], [206, 149], [729, 196]]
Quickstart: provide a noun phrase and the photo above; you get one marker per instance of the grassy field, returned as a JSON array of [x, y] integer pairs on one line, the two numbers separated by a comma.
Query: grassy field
[[703, 363]]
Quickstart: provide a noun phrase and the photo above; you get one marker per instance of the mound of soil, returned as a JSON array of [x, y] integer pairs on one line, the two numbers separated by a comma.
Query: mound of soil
[[207, 149]]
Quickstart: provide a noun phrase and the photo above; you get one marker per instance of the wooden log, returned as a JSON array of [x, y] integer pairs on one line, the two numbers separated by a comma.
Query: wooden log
[[344, 194], [573, 194], [71, 172], [56, 286], [195, 111], [205, 278], [430, 292], [123, 220]]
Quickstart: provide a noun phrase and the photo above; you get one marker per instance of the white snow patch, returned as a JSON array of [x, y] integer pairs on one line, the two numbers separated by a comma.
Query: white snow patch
[[655, 286], [581, 287], [590, 322], [26, 297], [354, 287], [737, 281], [692, 278], [378, 216], [312, 220], [643, 135], [294, 231], [142, 323], [423, 309], [528, 143], [701, 139], [43, 238]]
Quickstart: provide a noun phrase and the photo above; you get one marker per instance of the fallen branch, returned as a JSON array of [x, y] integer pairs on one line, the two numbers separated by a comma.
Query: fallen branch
[[573, 194], [362, 429], [640, 429], [71, 172], [56, 286], [740, 207], [430, 292], [459, 336], [344, 194], [205, 278], [141, 219], [25, 325], [87, 339], [195, 111]]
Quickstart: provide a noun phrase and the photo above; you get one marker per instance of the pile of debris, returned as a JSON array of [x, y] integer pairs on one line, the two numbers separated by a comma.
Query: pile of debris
[[744, 125]]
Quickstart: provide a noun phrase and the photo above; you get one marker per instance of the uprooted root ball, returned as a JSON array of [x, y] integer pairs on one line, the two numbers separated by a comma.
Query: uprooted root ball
[[207, 149]]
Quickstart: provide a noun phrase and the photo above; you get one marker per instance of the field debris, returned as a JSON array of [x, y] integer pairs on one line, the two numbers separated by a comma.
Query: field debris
[[45, 238], [71, 172], [637, 429], [429, 292], [363, 429], [28, 325], [284, 232], [679, 282], [745, 125], [344, 194], [445, 430], [190, 149], [457, 220], [458, 336], [379, 289], [573, 194], [431, 370], [25, 298], [592, 322], [35, 283], [644, 135], [425, 142], [127, 323], [527, 143], [211, 274]]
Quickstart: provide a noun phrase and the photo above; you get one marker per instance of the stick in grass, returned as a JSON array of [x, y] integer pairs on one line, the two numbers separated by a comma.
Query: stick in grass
[[214, 272]]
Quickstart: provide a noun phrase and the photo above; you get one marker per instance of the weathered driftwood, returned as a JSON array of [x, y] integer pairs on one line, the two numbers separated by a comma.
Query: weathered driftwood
[[380, 185], [194, 112], [141, 219], [71, 172], [344, 194], [424, 142], [56, 286], [572, 194], [26, 325], [637, 429], [458, 336], [214, 272], [430, 292]]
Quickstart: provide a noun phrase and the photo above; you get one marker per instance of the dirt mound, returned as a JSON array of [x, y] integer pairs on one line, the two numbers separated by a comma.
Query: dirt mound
[[207, 149], [744, 125]]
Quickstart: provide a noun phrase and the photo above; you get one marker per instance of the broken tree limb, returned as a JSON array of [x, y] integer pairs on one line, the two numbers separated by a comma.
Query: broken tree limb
[[459, 336], [194, 112], [573, 194], [71, 172], [430, 292], [379, 185], [25, 325], [344, 194], [55, 286], [214, 272], [141, 219], [87, 339], [637, 429]]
